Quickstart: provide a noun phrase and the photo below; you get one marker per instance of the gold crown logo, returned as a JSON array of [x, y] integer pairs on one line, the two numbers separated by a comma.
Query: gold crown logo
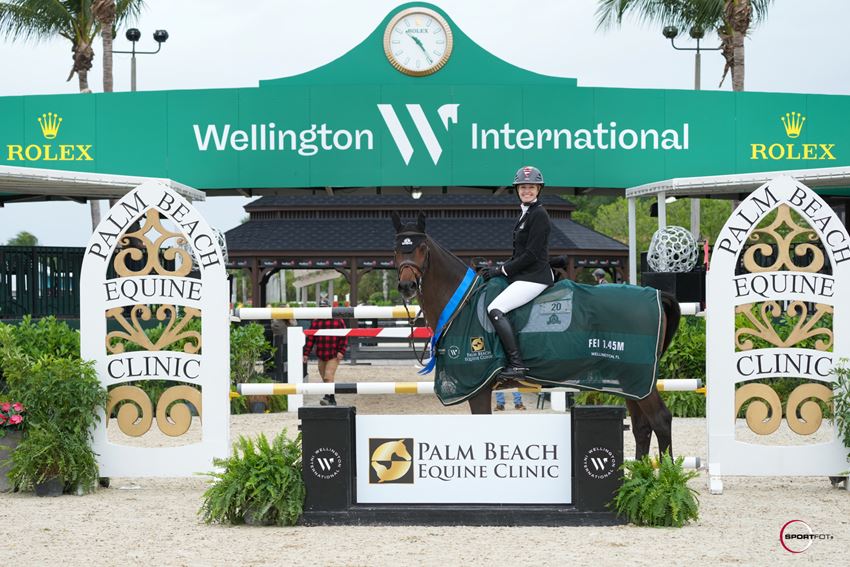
[[793, 122], [50, 124]]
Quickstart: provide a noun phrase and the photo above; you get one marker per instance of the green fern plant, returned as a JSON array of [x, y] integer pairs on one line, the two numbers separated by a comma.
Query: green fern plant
[[260, 483], [657, 494], [841, 402]]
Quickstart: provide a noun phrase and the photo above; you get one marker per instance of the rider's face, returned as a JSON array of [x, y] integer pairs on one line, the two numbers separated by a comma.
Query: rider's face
[[528, 192]]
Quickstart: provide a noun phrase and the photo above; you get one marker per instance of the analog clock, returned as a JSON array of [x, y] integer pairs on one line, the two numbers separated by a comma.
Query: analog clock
[[418, 41]]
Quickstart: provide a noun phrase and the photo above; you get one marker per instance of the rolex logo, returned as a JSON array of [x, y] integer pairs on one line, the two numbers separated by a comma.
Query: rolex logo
[[50, 125], [793, 122]]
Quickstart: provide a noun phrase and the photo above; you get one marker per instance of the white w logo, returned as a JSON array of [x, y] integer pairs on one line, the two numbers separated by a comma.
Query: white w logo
[[325, 464], [599, 463], [447, 112]]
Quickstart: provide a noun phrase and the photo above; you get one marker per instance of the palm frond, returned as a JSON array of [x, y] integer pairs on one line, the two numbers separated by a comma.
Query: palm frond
[[128, 10], [33, 19]]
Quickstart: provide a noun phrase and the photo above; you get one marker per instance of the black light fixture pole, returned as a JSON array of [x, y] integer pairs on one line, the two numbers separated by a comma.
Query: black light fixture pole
[[133, 35], [670, 32]]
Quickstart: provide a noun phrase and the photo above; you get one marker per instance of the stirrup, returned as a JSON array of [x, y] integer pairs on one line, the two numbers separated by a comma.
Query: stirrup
[[512, 373]]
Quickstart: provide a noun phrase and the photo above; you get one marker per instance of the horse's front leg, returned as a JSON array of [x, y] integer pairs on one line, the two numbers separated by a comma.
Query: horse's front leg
[[480, 403]]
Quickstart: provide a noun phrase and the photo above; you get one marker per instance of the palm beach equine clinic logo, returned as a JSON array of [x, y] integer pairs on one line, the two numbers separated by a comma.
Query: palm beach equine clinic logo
[[476, 344], [793, 123], [796, 536], [325, 463], [599, 463], [391, 461], [49, 123]]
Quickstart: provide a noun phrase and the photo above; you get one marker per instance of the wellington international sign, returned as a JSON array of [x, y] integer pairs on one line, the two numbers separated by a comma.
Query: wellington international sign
[[360, 122]]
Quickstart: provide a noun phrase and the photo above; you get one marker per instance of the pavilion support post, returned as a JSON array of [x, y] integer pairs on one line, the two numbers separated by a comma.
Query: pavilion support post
[[571, 268], [662, 210], [256, 283], [695, 214], [354, 282]]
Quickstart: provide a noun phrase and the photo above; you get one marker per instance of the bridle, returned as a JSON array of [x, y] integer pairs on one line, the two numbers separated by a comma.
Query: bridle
[[418, 273], [409, 264]]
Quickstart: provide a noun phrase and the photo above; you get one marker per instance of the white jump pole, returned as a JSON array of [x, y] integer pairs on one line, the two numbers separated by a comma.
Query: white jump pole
[[295, 365]]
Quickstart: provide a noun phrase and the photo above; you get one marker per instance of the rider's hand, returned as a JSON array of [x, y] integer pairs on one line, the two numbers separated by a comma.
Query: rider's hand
[[492, 272]]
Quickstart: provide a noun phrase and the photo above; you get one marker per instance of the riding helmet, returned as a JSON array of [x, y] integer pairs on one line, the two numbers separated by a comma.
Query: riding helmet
[[528, 174]]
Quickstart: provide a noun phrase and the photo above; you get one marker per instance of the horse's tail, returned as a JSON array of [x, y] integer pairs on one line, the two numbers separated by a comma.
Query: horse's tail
[[672, 314]]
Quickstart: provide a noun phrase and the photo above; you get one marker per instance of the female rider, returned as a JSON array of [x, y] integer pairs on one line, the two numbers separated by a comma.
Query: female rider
[[528, 269]]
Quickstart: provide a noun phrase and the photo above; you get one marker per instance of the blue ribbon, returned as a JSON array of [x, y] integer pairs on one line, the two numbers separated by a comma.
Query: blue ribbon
[[448, 311]]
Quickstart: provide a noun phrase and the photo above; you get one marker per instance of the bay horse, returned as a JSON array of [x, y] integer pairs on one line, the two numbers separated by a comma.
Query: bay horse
[[429, 271]]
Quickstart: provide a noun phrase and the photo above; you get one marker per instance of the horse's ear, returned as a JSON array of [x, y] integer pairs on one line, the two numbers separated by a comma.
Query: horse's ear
[[420, 222], [396, 221]]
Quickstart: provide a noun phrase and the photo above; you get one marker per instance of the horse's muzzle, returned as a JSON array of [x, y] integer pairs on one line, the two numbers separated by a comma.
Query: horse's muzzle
[[407, 289]]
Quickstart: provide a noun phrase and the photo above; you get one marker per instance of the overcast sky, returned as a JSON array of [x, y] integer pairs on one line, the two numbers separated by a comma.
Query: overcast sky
[[801, 48]]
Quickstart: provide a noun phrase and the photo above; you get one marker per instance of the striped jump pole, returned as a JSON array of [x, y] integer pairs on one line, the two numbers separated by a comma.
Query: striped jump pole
[[690, 463], [359, 312], [425, 387], [295, 337], [691, 308], [381, 332]]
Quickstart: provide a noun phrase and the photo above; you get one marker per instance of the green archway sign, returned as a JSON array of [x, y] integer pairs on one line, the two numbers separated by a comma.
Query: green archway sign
[[360, 121]]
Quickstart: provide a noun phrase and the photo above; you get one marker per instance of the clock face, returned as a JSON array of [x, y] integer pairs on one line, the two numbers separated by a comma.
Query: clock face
[[418, 41]]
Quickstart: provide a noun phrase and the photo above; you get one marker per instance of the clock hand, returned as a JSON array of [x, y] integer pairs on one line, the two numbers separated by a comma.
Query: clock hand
[[422, 47]]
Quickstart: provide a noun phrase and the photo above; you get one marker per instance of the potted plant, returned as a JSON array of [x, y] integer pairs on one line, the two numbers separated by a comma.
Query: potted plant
[[47, 461], [260, 484], [657, 494], [841, 412], [11, 431], [63, 397]]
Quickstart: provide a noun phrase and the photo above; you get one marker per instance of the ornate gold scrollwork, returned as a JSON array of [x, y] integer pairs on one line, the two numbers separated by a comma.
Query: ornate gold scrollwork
[[178, 419], [803, 329], [173, 331], [131, 421], [811, 415], [152, 224], [784, 245], [763, 398]]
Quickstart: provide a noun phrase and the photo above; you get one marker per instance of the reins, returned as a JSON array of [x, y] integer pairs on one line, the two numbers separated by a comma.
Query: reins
[[419, 274]]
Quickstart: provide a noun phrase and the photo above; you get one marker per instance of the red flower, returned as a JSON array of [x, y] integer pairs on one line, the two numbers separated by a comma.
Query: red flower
[[2, 419], [18, 407], [6, 407], [15, 420]]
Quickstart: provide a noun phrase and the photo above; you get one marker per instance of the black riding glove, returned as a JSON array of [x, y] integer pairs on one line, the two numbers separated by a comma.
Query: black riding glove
[[493, 272]]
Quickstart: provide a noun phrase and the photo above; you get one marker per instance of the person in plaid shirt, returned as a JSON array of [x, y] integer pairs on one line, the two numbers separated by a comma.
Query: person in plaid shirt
[[329, 350]]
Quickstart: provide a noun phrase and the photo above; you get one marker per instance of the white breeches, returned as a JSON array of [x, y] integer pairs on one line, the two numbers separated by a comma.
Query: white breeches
[[516, 295]]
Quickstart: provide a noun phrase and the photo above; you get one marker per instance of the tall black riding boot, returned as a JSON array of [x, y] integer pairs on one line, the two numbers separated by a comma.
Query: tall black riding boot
[[516, 368]]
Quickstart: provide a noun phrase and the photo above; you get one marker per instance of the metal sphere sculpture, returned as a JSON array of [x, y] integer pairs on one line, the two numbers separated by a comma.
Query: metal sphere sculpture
[[673, 249]]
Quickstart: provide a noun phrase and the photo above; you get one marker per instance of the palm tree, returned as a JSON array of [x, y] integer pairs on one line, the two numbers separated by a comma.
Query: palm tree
[[23, 238], [75, 21], [104, 13], [730, 19]]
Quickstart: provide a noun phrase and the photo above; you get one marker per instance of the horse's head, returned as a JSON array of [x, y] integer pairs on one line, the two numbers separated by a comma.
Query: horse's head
[[411, 254]]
